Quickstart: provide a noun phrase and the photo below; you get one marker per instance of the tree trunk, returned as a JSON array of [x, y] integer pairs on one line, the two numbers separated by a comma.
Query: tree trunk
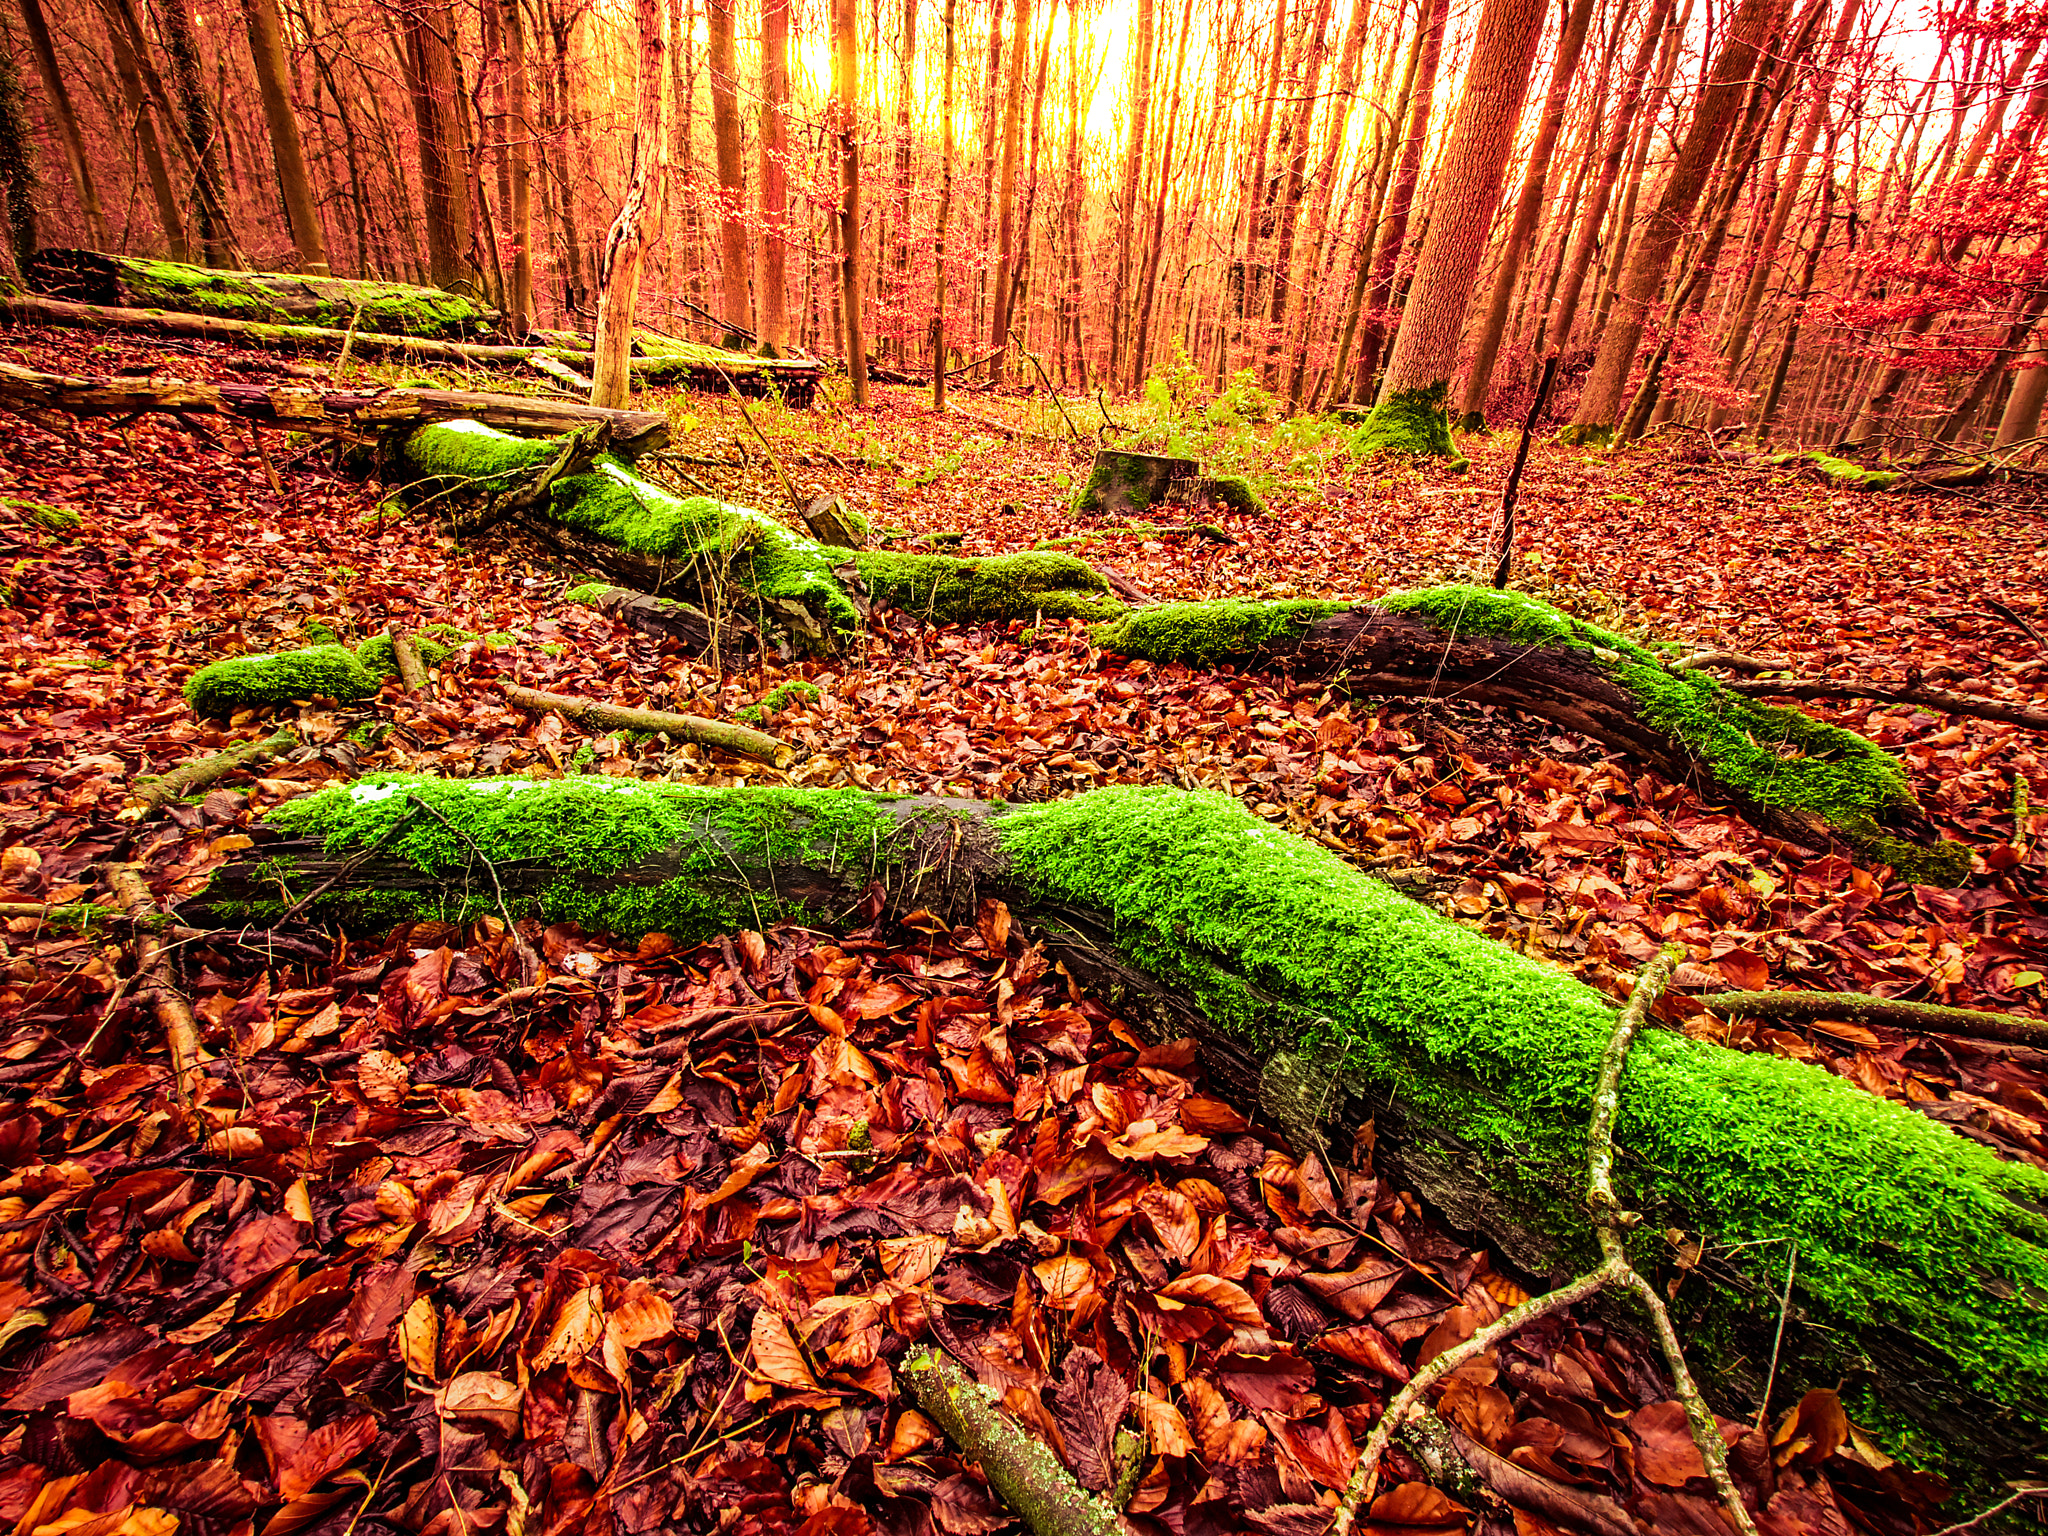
[[1650, 261], [141, 112], [202, 138], [1320, 996], [618, 270], [773, 265], [1287, 196], [900, 180], [736, 308], [1528, 208], [1393, 235], [1006, 192], [945, 218], [273, 84], [19, 186], [1593, 214], [1993, 373], [845, 126], [1410, 415], [1155, 239], [1767, 411], [66, 119], [2021, 421], [361, 414], [1127, 205], [1324, 187], [518, 177], [444, 178]]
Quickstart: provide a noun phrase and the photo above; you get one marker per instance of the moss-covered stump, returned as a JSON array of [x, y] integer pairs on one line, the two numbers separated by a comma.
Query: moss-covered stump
[[1415, 422], [1234, 493], [1795, 776], [1922, 1258], [1121, 484], [266, 681], [1840, 473], [733, 559], [281, 298]]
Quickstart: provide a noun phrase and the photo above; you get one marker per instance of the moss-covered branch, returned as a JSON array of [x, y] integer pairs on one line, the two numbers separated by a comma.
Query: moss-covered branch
[[1923, 1259], [266, 680], [1927, 1018]]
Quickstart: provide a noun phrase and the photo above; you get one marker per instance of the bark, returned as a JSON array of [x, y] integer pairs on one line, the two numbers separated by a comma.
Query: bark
[[1318, 995], [1767, 410], [1921, 1018], [2021, 420], [1650, 262], [1592, 217], [1124, 484], [740, 740], [273, 85], [1006, 194], [1410, 414], [20, 188], [518, 174], [1155, 238], [141, 114], [945, 216], [444, 176], [66, 118], [795, 379], [1288, 191], [1993, 373], [618, 269], [1323, 186], [188, 778], [1127, 208], [737, 305], [1528, 208], [202, 137], [728, 642], [845, 128], [773, 266], [359, 414]]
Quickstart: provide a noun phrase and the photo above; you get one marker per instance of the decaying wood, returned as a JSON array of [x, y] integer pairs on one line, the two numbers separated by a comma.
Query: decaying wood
[[406, 657], [202, 771], [732, 639], [795, 379], [740, 740], [153, 969], [355, 413], [1928, 1018], [1943, 700]]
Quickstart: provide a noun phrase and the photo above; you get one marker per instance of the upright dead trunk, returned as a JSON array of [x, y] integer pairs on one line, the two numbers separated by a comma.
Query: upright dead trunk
[[1127, 204], [273, 84], [773, 266], [618, 269], [1578, 265], [66, 120], [735, 309], [1528, 208], [945, 219], [518, 176], [1006, 193], [1409, 415], [1650, 262], [444, 175], [202, 137], [1735, 349], [845, 101], [1293, 177], [1373, 289]]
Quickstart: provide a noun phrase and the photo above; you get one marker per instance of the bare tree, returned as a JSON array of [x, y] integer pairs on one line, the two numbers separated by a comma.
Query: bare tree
[[773, 266], [735, 307]]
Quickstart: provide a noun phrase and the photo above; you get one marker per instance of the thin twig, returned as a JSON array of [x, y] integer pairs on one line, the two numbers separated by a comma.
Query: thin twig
[[2029, 1491], [1763, 1407], [529, 961]]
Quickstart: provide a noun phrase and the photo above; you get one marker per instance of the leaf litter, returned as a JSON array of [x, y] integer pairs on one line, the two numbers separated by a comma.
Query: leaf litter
[[639, 1243]]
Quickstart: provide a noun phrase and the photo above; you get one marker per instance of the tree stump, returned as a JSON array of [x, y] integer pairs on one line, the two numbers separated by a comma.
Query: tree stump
[[1130, 484]]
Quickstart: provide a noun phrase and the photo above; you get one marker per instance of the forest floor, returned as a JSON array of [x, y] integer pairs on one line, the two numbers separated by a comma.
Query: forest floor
[[591, 1253]]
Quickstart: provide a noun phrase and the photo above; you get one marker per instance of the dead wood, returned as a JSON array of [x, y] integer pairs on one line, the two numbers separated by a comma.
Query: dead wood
[[731, 639], [156, 979], [1941, 699], [202, 771], [1925, 1018], [406, 657], [740, 740]]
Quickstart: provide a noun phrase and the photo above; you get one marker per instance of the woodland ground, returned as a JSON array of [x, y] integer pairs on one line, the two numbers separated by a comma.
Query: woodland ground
[[509, 1248]]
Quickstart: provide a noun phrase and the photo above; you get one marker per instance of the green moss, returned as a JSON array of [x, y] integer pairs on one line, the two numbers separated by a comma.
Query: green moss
[[1586, 435], [1117, 486], [37, 514], [265, 681], [1782, 758], [1205, 634], [588, 592], [376, 656], [1413, 421], [779, 698], [987, 591], [615, 855], [1898, 1220], [1234, 492], [1841, 472], [394, 309]]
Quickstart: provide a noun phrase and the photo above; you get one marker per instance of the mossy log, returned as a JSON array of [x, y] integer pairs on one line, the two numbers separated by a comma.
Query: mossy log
[[1840, 473], [734, 560], [277, 298], [361, 414], [795, 380], [728, 641], [1795, 776], [267, 680], [1319, 993]]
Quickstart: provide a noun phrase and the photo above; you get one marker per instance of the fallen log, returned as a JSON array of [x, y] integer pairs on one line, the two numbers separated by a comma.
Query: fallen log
[[740, 740], [1318, 993], [1943, 700], [285, 298], [1797, 777], [197, 774], [354, 413], [728, 640], [794, 379], [1925, 1018]]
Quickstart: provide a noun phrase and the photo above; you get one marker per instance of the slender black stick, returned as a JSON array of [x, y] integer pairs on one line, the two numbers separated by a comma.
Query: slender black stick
[[1514, 485]]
